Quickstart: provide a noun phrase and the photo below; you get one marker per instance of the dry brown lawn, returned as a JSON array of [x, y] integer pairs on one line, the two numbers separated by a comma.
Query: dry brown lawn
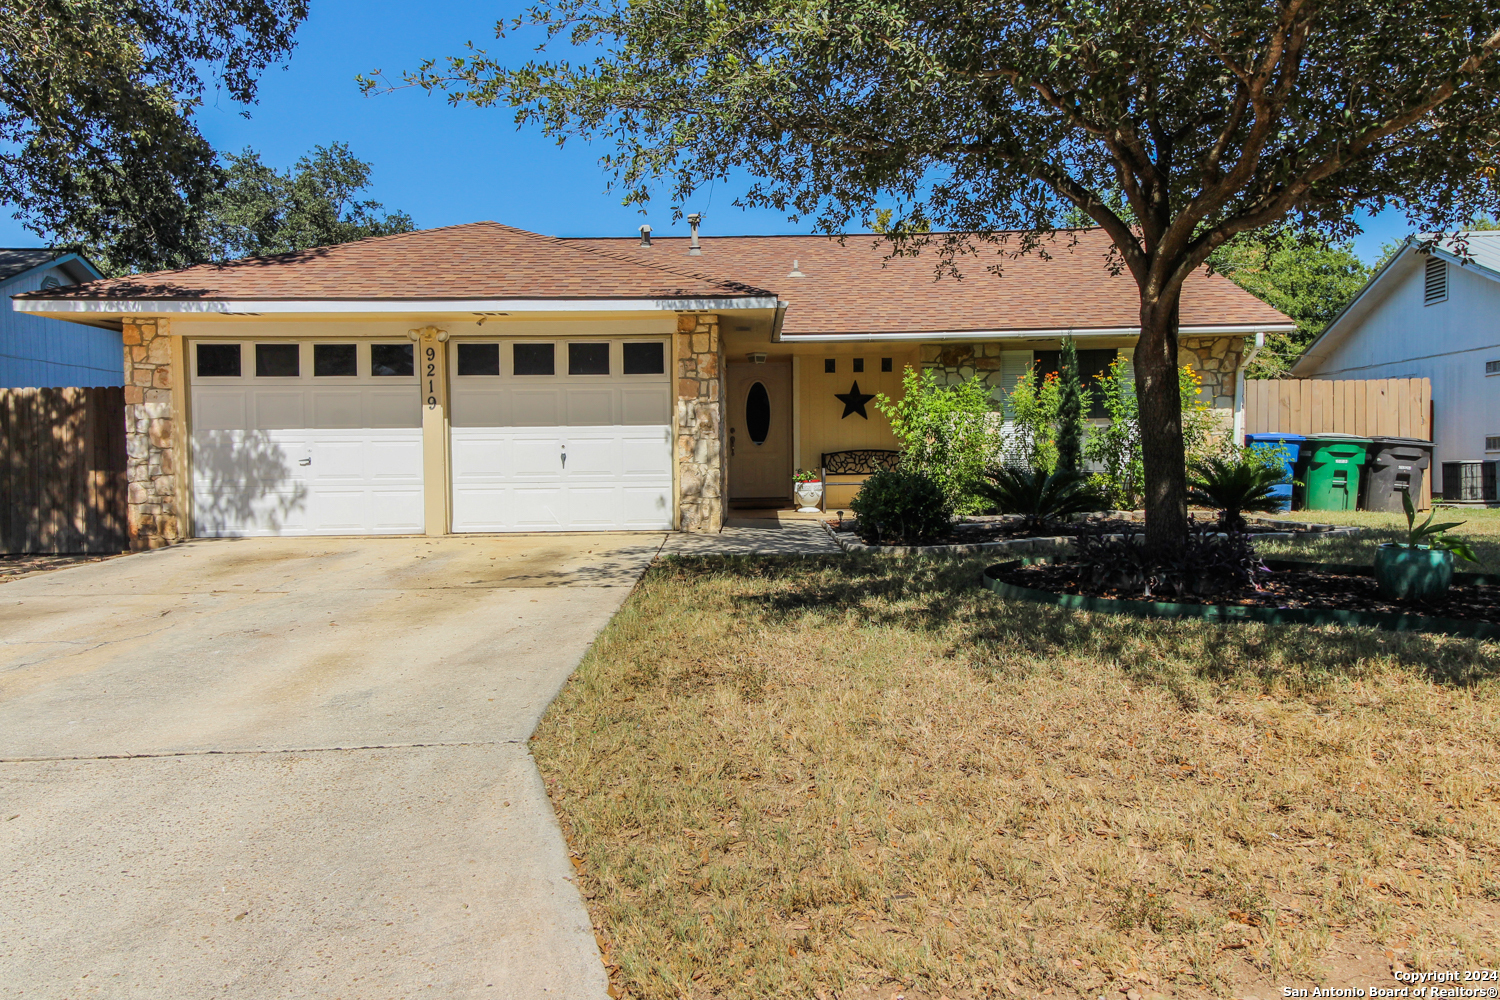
[[1481, 529], [856, 779]]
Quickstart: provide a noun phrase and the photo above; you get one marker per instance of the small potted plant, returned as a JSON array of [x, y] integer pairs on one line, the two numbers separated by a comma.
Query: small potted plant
[[1420, 568], [808, 485]]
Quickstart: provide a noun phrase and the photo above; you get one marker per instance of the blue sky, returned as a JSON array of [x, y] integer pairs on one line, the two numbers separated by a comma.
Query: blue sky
[[446, 165]]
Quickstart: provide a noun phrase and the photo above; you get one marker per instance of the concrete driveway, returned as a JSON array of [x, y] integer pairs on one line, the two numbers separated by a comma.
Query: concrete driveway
[[297, 768]]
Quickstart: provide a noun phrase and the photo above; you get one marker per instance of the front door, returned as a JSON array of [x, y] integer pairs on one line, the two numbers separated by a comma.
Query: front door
[[760, 431]]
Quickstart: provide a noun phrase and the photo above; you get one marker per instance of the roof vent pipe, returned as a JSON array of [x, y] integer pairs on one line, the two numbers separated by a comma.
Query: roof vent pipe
[[694, 250], [645, 236], [796, 270]]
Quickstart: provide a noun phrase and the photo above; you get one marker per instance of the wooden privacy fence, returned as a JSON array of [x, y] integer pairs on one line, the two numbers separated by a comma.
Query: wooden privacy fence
[[1385, 407], [62, 483], [1390, 407]]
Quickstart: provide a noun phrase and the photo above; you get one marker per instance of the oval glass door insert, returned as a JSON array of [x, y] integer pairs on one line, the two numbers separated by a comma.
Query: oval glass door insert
[[758, 413]]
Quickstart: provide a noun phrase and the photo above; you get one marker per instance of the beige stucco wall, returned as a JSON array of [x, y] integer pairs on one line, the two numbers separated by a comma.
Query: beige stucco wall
[[822, 426]]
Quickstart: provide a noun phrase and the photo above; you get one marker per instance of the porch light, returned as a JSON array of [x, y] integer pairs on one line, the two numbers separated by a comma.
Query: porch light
[[756, 357]]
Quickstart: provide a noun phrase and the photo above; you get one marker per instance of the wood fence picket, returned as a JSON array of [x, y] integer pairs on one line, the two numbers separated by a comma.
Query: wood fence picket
[[62, 478]]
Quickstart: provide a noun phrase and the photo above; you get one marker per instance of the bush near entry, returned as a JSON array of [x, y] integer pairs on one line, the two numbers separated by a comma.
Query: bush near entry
[[902, 507]]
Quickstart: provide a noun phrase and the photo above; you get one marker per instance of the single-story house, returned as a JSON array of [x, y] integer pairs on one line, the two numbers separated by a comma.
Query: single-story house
[[42, 353], [484, 378], [1433, 315]]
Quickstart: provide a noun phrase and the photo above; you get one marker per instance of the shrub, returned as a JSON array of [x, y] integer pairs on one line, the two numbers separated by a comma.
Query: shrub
[[1070, 411], [1031, 407], [1117, 447], [1234, 484], [1037, 496], [902, 507], [946, 431]]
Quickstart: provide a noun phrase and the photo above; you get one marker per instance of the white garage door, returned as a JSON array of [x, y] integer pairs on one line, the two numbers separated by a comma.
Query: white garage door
[[306, 438], [561, 435]]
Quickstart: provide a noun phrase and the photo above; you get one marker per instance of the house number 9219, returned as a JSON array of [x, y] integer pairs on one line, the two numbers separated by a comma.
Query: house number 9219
[[431, 355]]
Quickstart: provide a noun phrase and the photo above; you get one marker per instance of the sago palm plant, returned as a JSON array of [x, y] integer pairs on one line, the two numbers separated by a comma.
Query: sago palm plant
[[1233, 486], [1038, 497]]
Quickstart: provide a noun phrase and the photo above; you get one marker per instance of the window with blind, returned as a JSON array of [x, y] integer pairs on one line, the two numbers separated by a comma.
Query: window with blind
[[1091, 364]]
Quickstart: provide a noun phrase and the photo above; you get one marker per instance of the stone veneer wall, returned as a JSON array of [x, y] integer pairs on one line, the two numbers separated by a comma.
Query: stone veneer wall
[[151, 462], [957, 363], [700, 424], [1214, 359]]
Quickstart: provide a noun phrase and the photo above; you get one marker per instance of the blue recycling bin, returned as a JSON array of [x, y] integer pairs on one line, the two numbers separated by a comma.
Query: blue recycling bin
[[1293, 445]]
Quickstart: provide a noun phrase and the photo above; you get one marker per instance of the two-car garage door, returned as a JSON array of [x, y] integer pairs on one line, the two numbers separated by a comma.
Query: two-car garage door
[[324, 437]]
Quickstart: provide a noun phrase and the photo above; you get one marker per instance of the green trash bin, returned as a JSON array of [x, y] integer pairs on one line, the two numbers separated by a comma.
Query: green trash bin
[[1331, 471]]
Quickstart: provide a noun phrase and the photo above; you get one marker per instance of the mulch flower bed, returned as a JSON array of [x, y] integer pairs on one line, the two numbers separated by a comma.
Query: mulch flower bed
[[1299, 589], [1000, 528]]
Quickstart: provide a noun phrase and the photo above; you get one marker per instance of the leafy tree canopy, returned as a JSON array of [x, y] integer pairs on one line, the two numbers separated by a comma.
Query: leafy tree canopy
[[97, 141], [1309, 277], [260, 211], [1213, 119]]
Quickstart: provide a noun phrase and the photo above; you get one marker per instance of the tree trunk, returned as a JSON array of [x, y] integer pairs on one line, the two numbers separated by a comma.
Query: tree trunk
[[1160, 400]]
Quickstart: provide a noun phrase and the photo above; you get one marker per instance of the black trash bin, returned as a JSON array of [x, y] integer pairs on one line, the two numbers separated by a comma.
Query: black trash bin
[[1395, 466]]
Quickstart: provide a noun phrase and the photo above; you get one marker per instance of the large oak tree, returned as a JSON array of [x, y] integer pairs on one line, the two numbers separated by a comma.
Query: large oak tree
[[98, 146], [260, 210], [1210, 118]]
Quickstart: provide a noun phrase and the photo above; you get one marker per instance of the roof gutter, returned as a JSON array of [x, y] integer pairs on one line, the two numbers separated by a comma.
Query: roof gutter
[[777, 323], [1111, 331], [83, 309]]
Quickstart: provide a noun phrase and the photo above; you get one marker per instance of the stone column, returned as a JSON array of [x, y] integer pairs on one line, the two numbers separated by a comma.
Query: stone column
[[152, 459], [701, 473]]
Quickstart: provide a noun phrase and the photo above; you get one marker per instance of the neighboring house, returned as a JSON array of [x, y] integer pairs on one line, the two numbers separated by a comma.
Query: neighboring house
[[483, 378], [37, 352], [1434, 316]]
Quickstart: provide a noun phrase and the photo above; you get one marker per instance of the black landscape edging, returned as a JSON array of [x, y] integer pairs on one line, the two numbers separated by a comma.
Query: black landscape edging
[[1222, 613], [1040, 544]]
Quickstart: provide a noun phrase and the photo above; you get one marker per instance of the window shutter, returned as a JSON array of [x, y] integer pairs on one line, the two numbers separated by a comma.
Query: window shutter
[[1436, 287], [1013, 365]]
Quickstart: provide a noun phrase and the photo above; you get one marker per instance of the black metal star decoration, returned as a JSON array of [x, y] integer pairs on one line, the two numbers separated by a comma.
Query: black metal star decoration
[[854, 401]]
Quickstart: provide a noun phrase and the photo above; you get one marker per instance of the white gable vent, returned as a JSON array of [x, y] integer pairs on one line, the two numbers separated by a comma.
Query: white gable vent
[[1436, 287]]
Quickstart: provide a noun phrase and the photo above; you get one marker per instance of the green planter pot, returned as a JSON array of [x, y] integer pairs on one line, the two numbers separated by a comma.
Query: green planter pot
[[1413, 572]]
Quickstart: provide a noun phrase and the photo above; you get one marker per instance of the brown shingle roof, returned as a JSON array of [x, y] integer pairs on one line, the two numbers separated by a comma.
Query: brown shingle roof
[[852, 288], [480, 260], [849, 288]]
